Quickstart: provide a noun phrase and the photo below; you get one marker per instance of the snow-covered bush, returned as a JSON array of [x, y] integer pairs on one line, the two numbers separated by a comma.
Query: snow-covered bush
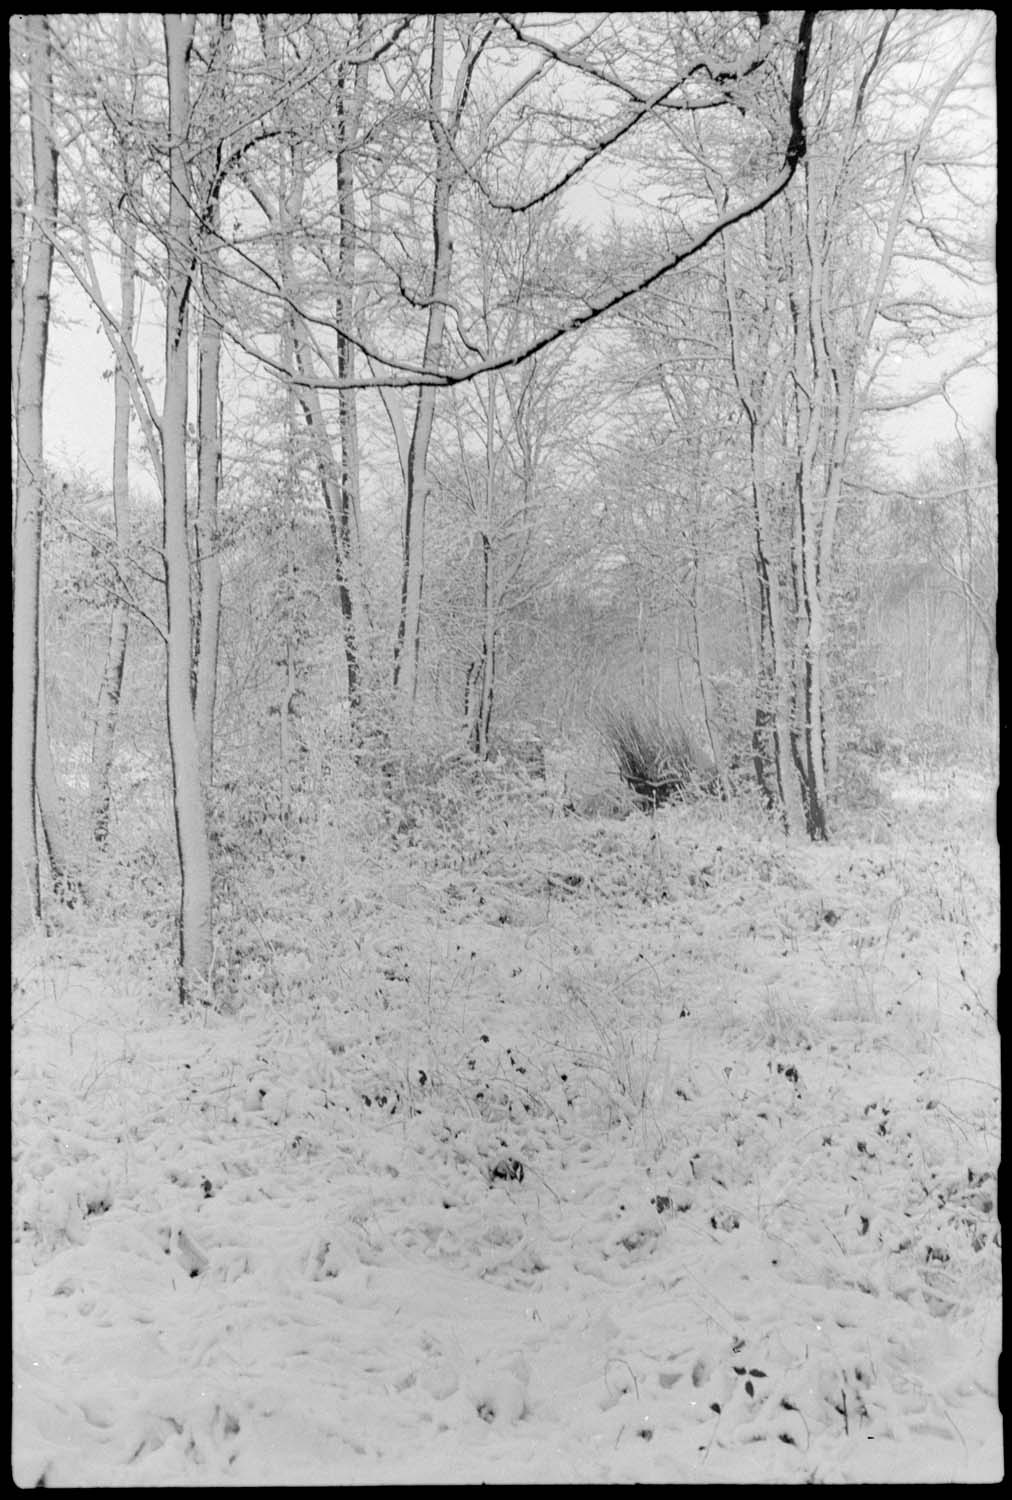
[[656, 755]]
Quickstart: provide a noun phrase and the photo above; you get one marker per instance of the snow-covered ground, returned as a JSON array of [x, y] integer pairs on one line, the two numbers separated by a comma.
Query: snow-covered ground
[[656, 1150]]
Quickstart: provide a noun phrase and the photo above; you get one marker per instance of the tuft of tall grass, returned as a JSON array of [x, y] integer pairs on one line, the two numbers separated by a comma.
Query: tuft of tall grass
[[656, 756]]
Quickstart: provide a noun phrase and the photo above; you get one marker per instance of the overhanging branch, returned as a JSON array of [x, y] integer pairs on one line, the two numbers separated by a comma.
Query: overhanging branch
[[404, 376]]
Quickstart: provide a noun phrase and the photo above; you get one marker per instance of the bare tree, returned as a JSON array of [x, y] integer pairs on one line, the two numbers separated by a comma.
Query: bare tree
[[195, 920], [459, 139], [948, 522], [107, 707], [808, 349], [444, 122], [32, 264], [494, 470], [350, 91], [208, 183]]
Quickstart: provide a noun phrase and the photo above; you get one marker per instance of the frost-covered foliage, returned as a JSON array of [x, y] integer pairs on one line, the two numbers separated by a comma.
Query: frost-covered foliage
[[525, 1148]]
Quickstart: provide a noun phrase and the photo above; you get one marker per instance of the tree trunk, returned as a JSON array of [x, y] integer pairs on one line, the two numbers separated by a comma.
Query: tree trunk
[[417, 480], [335, 488], [409, 628], [817, 800], [107, 708], [771, 656], [348, 536], [106, 716], [30, 375], [338, 481], [207, 538], [486, 666], [703, 674], [771, 723], [809, 747], [195, 918], [64, 880], [480, 686]]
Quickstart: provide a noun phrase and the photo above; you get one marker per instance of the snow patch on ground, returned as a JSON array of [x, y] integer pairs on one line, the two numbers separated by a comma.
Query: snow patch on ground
[[653, 1151]]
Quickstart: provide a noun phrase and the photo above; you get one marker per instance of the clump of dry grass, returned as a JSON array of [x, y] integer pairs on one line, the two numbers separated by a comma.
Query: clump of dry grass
[[656, 755]]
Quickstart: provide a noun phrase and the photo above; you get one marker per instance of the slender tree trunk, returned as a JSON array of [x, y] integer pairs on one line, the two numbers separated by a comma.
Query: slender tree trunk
[[348, 535], [771, 725], [288, 202], [489, 578], [480, 690], [289, 567], [107, 708], [824, 405], [488, 650], [207, 537], [702, 671], [347, 529], [815, 719], [335, 496], [417, 480], [30, 375], [64, 879], [195, 919], [810, 759], [107, 715], [409, 631], [771, 655], [338, 481]]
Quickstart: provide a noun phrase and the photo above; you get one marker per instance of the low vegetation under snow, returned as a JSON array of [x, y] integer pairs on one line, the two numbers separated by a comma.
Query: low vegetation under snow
[[655, 1150]]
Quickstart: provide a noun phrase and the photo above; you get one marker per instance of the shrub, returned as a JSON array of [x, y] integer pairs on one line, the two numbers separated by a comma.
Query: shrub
[[656, 756]]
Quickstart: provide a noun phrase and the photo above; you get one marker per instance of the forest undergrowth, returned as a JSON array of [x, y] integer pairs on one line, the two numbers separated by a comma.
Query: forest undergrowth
[[522, 1147]]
